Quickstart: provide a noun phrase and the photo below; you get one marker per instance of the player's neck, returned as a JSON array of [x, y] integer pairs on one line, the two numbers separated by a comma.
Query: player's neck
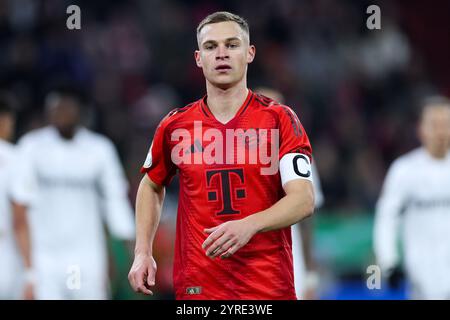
[[224, 103], [67, 133]]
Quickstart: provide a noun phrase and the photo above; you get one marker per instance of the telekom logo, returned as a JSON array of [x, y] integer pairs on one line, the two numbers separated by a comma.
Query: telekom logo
[[225, 188]]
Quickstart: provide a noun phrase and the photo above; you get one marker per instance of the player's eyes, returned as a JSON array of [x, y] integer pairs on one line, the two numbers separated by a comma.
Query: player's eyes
[[213, 46]]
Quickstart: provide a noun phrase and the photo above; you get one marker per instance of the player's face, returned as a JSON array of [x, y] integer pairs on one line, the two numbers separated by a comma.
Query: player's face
[[224, 53], [435, 129], [6, 126], [64, 114]]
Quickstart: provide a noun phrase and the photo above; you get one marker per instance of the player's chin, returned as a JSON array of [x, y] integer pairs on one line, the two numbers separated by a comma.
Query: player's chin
[[223, 82]]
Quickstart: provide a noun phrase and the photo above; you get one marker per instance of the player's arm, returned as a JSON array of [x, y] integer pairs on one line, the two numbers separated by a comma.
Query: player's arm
[[149, 201], [21, 231], [159, 170], [22, 235], [22, 192], [298, 204], [118, 211], [387, 215]]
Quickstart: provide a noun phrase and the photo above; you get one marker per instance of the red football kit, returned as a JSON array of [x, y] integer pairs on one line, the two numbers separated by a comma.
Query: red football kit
[[219, 183]]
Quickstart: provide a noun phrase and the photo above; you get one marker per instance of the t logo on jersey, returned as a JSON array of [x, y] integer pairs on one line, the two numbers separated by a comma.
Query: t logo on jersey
[[225, 188]]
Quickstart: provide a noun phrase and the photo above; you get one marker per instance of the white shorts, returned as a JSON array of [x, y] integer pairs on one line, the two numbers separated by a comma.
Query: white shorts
[[11, 272], [66, 278]]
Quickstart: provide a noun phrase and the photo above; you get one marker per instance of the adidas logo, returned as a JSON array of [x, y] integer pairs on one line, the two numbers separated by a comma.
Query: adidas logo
[[195, 147]]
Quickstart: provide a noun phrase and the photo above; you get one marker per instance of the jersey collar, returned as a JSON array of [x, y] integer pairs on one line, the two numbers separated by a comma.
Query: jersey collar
[[242, 109]]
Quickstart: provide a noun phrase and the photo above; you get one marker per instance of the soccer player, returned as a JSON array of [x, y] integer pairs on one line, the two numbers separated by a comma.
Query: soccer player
[[305, 275], [233, 225], [415, 201], [16, 276], [78, 183]]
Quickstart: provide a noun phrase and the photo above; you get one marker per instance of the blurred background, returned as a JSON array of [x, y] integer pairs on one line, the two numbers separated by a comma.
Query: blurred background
[[355, 90]]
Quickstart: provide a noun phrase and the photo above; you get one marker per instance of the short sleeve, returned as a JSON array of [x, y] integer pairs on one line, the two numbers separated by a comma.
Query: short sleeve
[[158, 164], [113, 190], [293, 137], [393, 197], [24, 186]]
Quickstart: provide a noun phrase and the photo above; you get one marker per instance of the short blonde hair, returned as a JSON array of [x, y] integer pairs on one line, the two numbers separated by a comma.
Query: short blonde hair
[[223, 16]]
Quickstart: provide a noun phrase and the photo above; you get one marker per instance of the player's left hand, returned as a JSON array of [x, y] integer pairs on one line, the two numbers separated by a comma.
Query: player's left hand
[[228, 237]]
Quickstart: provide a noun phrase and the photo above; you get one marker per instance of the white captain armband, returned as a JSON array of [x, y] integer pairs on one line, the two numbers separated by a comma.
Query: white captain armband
[[295, 166]]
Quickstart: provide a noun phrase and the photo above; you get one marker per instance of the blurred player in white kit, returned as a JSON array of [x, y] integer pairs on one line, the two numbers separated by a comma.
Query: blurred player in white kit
[[77, 183], [415, 202], [16, 276], [306, 278]]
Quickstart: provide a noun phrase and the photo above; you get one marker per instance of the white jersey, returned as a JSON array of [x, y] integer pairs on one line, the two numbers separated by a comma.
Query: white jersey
[[415, 202], [10, 260], [74, 185]]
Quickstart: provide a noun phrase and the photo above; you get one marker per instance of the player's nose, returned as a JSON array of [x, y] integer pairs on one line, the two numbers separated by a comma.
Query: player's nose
[[222, 52]]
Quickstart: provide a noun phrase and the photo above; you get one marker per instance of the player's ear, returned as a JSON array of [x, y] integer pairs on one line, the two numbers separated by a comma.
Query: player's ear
[[198, 61], [251, 53]]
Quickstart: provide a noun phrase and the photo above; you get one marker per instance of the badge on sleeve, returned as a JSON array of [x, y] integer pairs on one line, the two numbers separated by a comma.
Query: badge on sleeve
[[148, 160]]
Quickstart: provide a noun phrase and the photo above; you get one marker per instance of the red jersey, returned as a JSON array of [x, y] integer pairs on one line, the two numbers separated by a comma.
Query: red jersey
[[213, 192]]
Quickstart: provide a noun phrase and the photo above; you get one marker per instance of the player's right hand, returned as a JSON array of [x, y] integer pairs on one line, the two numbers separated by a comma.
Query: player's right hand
[[142, 273]]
